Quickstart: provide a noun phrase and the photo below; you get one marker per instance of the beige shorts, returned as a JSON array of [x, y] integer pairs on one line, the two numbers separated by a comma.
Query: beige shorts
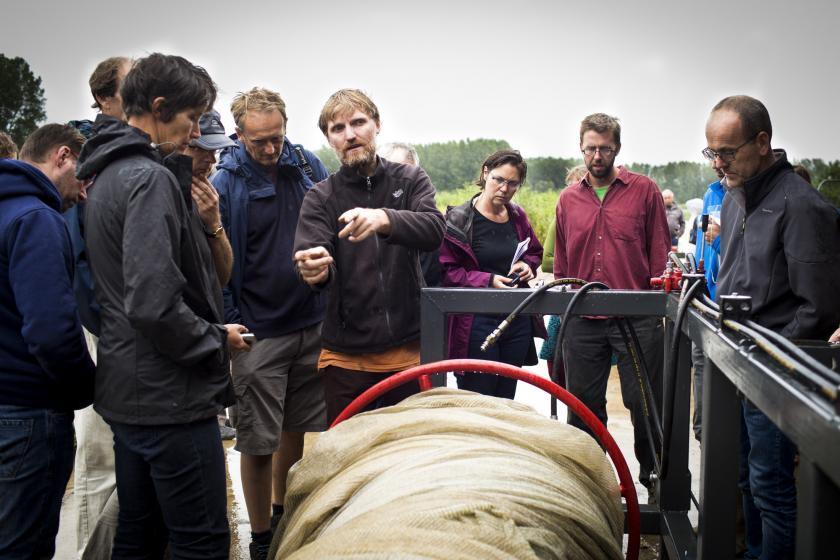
[[278, 388]]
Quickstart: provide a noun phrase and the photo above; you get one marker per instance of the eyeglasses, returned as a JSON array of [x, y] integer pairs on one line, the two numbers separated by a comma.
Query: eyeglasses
[[726, 156], [606, 151], [501, 181]]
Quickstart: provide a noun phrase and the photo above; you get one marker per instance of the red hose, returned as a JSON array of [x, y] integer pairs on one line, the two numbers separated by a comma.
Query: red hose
[[628, 489]]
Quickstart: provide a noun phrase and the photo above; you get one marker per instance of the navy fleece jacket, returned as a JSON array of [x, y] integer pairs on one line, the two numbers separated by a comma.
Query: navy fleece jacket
[[44, 362]]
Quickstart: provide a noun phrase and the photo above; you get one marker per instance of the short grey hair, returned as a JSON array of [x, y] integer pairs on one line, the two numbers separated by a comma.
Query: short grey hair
[[387, 150]]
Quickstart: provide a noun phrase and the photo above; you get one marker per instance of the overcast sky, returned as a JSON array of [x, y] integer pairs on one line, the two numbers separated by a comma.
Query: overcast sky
[[523, 71]]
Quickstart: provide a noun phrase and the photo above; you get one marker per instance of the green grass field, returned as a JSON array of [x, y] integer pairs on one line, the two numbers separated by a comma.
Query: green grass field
[[538, 205]]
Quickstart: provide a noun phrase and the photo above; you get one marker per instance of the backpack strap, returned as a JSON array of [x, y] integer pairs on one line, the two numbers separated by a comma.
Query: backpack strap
[[303, 163]]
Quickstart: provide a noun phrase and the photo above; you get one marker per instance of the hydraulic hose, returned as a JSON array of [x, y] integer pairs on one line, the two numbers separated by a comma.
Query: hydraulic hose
[[558, 349], [705, 310], [710, 302], [572, 303], [670, 378], [497, 332], [648, 405], [676, 260], [773, 343], [819, 368], [816, 381], [642, 373], [692, 262]]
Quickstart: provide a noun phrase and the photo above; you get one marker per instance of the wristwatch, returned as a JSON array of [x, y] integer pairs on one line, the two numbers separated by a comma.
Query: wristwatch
[[215, 233]]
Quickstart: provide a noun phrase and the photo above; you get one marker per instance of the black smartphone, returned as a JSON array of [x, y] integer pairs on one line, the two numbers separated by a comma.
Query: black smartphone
[[515, 277], [249, 338]]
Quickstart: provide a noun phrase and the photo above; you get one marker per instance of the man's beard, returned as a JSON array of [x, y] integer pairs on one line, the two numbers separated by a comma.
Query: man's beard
[[360, 158], [604, 172]]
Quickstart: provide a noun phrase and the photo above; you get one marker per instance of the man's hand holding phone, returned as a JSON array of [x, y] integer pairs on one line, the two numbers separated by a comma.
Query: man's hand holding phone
[[235, 340]]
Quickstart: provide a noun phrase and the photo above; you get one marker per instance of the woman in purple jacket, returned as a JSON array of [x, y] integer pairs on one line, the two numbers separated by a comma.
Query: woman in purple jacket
[[478, 251]]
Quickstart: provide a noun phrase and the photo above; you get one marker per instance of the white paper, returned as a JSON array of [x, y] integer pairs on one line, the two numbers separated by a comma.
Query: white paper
[[520, 250]]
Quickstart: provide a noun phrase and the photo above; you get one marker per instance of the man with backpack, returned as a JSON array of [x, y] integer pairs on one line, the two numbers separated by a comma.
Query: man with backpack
[[279, 392]]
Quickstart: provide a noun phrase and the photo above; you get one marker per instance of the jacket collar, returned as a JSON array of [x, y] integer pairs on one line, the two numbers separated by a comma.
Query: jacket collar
[[112, 140], [180, 166], [459, 219], [758, 186], [237, 160], [350, 175]]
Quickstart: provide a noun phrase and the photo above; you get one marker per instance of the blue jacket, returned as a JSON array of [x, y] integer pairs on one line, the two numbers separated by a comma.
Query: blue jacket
[[83, 288], [237, 179], [44, 362], [712, 201]]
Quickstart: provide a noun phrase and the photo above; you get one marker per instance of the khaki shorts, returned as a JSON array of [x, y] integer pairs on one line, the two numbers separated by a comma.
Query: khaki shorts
[[278, 388]]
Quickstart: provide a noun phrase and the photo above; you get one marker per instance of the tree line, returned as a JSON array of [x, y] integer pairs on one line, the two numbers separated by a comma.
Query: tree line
[[451, 165]]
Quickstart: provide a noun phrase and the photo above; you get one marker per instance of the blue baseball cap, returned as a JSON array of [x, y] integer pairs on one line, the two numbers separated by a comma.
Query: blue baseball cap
[[213, 135]]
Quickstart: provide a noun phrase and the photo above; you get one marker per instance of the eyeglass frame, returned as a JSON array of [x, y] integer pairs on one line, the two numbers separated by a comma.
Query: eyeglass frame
[[605, 151], [730, 155], [501, 181]]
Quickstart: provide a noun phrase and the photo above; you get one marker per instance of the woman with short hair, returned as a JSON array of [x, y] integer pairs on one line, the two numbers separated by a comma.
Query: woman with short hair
[[479, 251]]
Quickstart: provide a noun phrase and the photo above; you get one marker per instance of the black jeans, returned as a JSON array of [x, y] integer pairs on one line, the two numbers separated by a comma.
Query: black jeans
[[587, 353], [171, 486], [511, 348]]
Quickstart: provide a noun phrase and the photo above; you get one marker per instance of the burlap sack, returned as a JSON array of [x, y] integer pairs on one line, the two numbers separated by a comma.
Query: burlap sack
[[451, 474]]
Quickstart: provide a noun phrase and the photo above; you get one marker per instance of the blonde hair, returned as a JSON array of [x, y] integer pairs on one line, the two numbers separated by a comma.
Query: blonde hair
[[575, 174], [256, 99], [345, 100]]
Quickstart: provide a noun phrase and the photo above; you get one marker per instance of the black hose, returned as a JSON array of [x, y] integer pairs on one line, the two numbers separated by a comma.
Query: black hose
[[710, 302], [676, 260], [705, 310], [497, 332], [642, 372], [558, 348], [648, 404], [711, 308], [813, 379], [692, 262], [575, 298], [670, 378], [826, 372]]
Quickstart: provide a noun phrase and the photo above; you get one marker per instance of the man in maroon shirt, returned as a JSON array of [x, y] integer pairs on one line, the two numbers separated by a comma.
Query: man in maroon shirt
[[611, 228]]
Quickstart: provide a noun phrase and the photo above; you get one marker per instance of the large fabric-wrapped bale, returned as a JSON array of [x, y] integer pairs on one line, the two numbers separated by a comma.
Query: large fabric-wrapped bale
[[451, 474]]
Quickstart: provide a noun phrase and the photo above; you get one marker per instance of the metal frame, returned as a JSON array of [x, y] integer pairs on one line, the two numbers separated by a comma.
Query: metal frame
[[733, 368]]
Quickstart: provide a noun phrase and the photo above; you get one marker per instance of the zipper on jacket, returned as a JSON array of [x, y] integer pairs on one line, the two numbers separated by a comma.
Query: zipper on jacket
[[743, 224], [379, 265]]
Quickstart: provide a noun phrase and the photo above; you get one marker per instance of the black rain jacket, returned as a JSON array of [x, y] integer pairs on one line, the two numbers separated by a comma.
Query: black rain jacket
[[162, 352], [780, 244]]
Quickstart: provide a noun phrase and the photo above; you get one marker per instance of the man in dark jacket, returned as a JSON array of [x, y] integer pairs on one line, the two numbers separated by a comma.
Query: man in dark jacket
[[358, 237], [163, 371], [780, 240], [262, 181], [45, 369]]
